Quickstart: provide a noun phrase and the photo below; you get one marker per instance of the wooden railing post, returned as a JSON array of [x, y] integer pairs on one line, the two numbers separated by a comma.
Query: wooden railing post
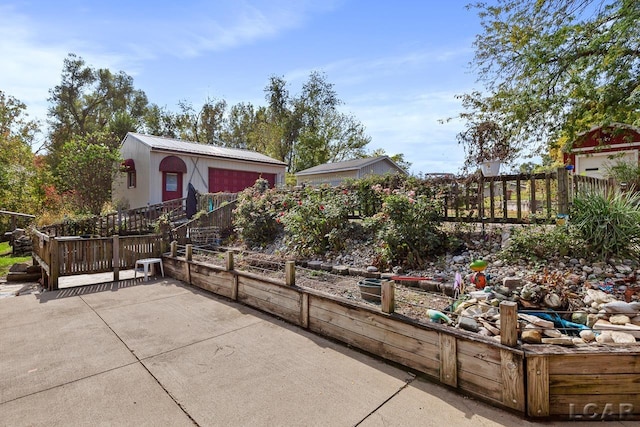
[[388, 296], [509, 323], [229, 261], [174, 249], [116, 257], [290, 273], [187, 265], [54, 267], [563, 191]]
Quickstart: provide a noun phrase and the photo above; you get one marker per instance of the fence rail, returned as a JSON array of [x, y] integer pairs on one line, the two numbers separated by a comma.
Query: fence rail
[[211, 226], [71, 255], [535, 198], [9, 221], [132, 221]]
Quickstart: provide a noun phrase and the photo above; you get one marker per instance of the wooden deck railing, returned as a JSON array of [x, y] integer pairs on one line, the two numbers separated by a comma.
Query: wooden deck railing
[[220, 218], [71, 255], [132, 221]]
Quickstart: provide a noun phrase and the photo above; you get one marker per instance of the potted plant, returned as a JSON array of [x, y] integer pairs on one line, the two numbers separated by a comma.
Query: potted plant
[[487, 145]]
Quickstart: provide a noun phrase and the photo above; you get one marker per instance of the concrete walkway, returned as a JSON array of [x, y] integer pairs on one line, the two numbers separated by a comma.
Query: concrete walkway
[[162, 353]]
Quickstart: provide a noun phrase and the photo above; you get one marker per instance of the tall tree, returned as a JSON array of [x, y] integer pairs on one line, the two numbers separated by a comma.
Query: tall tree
[[241, 125], [204, 125], [310, 127], [283, 121], [89, 100], [557, 67], [17, 134], [88, 166]]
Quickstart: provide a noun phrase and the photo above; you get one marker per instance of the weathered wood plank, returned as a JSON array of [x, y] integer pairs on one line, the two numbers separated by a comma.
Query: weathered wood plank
[[410, 359], [480, 387], [594, 384], [538, 386], [304, 311], [361, 321], [482, 351], [269, 306], [478, 367], [353, 312], [448, 360], [217, 282], [512, 374], [281, 295], [174, 268], [602, 363]]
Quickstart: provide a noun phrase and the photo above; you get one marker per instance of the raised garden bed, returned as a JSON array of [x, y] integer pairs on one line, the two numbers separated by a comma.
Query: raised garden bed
[[541, 381]]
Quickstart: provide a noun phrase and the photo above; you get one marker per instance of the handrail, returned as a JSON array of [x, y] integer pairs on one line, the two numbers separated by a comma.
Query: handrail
[[17, 214]]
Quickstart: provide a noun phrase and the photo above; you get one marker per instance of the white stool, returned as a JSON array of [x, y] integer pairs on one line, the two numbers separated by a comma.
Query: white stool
[[145, 263]]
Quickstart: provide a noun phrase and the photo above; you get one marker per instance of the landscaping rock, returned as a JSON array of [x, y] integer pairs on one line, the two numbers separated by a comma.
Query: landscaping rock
[[619, 319], [468, 324], [620, 307], [314, 265], [579, 317], [341, 270], [512, 283], [588, 335], [622, 338], [326, 266], [18, 268], [532, 336]]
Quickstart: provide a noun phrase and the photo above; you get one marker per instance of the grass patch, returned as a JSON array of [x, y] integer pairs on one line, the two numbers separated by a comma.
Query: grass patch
[[7, 259]]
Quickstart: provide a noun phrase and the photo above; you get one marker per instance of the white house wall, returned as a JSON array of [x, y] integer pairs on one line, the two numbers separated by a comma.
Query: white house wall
[[139, 196]]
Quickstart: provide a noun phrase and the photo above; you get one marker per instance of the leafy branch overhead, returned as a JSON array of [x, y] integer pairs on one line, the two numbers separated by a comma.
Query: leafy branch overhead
[[552, 69]]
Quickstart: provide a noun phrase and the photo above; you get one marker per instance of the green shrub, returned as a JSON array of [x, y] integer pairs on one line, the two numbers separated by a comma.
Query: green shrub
[[256, 214], [610, 225], [539, 242], [408, 229], [317, 222]]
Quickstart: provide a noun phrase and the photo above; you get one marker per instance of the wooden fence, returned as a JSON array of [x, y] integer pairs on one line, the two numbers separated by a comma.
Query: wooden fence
[[68, 256], [211, 226], [540, 381], [536, 198], [132, 221]]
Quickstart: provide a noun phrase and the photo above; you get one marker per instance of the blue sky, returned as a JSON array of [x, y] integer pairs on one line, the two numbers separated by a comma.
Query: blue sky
[[396, 66]]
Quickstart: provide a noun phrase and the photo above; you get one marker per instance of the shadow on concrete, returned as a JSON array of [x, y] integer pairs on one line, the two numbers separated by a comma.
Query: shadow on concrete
[[90, 289]]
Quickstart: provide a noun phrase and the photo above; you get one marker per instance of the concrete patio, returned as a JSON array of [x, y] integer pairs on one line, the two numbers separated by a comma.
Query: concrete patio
[[162, 353]]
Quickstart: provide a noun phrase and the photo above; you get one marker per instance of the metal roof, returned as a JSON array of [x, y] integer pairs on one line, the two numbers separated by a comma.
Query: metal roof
[[346, 165], [178, 146]]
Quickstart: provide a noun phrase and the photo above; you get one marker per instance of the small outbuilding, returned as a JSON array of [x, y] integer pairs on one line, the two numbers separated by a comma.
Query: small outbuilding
[[593, 151], [336, 173], [157, 169]]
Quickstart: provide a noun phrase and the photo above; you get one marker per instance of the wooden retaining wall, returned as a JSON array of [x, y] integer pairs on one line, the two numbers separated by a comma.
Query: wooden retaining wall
[[475, 365], [591, 384], [538, 381]]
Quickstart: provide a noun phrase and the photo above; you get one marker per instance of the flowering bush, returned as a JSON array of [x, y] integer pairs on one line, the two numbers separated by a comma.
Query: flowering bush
[[256, 215], [317, 222], [408, 228]]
